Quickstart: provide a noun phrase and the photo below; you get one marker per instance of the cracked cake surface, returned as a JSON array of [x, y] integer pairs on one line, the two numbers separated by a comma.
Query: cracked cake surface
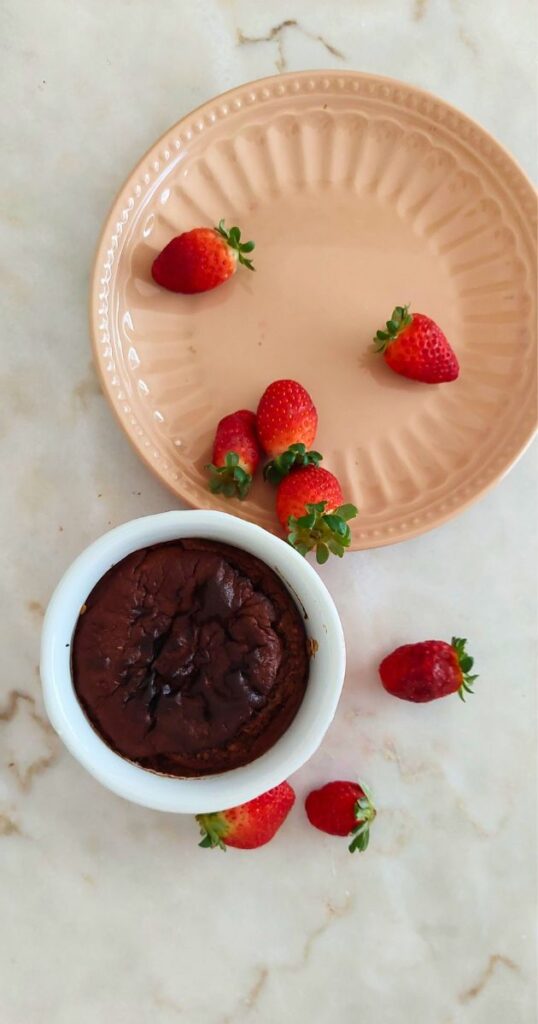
[[190, 657]]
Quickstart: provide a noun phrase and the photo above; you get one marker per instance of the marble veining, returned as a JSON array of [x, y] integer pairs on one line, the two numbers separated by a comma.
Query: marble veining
[[276, 35], [493, 963], [111, 912]]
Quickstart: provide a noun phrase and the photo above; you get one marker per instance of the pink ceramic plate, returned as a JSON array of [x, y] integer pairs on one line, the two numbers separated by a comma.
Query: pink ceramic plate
[[361, 193]]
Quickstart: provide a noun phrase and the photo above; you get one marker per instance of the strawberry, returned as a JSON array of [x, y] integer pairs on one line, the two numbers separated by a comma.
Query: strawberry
[[287, 421], [414, 346], [250, 825], [236, 455], [309, 505], [342, 809], [426, 671], [201, 259]]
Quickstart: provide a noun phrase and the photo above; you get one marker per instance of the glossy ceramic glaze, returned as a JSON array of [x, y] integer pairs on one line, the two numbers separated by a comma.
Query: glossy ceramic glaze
[[361, 193]]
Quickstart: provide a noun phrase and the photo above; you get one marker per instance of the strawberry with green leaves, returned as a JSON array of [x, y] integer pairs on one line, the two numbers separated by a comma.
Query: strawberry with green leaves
[[236, 455], [425, 671], [249, 825], [414, 346], [287, 421], [201, 259], [342, 808], [311, 509]]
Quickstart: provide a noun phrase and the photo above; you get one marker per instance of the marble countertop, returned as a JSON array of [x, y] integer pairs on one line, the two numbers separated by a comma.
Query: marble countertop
[[109, 912]]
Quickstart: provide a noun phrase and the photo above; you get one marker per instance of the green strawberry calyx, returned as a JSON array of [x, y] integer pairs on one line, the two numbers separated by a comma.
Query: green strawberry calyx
[[294, 456], [365, 813], [230, 479], [465, 663], [400, 319], [213, 828], [325, 532], [232, 237]]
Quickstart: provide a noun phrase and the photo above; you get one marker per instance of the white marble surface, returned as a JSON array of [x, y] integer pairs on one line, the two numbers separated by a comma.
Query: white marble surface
[[109, 912]]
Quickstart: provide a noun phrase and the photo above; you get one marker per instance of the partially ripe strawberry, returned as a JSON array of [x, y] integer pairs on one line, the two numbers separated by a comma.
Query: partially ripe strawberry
[[414, 346], [342, 809], [201, 259], [236, 455], [249, 825], [287, 422], [310, 506], [425, 671]]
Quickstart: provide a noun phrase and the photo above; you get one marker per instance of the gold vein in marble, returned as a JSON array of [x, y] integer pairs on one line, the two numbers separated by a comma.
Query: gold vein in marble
[[87, 388], [495, 960], [419, 9], [25, 775], [8, 827], [274, 35], [264, 973], [36, 608]]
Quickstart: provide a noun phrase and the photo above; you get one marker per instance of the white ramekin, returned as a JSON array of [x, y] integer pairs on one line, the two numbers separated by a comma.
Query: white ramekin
[[210, 792]]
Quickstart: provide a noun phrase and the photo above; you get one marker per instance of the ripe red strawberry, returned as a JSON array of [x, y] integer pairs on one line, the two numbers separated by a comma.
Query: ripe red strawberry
[[414, 346], [309, 505], [201, 259], [426, 671], [287, 422], [311, 484], [250, 825], [236, 455], [342, 809]]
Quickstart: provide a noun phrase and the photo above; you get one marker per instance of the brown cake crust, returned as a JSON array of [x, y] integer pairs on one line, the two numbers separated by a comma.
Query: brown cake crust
[[190, 658]]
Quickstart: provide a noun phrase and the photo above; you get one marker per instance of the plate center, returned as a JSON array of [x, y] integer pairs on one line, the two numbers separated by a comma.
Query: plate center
[[330, 266]]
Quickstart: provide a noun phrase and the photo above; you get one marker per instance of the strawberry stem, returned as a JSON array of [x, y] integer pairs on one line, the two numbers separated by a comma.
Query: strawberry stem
[[294, 456], [326, 532], [230, 479], [233, 239], [365, 813], [400, 319], [465, 663], [212, 829]]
